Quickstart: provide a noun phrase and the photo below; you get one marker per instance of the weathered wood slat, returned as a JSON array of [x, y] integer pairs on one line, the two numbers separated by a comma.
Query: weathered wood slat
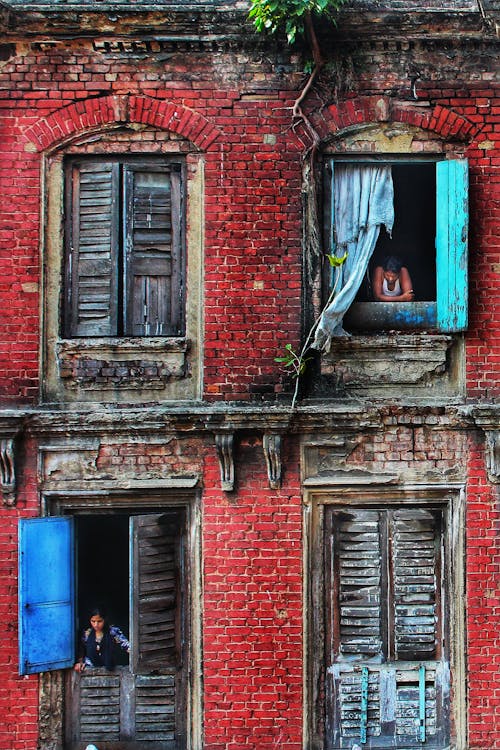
[[91, 249], [154, 276]]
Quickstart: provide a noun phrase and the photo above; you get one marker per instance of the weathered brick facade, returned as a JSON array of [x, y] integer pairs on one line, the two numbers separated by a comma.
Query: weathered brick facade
[[204, 421]]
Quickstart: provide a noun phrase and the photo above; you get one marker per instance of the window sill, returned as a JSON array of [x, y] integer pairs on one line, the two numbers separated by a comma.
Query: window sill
[[384, 316], [393, 365], [122, 363]]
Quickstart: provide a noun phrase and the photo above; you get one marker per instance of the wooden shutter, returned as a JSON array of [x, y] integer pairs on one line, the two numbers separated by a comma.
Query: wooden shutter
[[46, 594], [153, 250], [357, 583], [387, 682], [98, 696], [451, 244], [416, 565], [92, 248], [157, 607]]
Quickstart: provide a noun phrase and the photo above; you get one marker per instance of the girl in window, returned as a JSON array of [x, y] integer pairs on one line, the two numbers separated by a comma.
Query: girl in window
[[99, 642], [392, 281]]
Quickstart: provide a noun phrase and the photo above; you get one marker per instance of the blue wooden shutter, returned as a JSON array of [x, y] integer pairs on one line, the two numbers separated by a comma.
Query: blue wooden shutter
[[451, 244], [46, 594]]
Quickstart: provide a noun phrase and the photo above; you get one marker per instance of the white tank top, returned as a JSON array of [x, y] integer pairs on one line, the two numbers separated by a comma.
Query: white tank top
[[391, 292]]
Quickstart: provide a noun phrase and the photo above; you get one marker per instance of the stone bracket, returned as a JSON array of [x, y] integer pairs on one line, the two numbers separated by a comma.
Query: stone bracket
[[493, 455], [8, 471], [224, 442], [271, 444]]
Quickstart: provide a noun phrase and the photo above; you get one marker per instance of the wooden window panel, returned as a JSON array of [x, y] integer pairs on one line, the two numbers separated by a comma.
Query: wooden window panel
[[92, 248], [157, 614], [385, 618], [153, 251], [124, 262]]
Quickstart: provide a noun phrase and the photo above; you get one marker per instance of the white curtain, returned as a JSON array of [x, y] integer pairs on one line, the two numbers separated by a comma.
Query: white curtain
[[363, 201]]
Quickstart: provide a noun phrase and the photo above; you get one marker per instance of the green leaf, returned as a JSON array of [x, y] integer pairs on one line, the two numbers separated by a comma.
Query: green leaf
[[335, 261]]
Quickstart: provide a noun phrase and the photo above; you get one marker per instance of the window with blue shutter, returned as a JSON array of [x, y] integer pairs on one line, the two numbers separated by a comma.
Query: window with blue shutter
[[430, 236], [46, 594]]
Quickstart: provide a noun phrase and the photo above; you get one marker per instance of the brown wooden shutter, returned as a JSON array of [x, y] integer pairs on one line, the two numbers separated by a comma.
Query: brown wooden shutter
[[153, 250], [92, 248], [156, 611], [357, 580], [416, 567]]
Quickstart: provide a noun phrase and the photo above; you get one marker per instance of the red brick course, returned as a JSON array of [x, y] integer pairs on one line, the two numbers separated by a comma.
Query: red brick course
[[252, 540]]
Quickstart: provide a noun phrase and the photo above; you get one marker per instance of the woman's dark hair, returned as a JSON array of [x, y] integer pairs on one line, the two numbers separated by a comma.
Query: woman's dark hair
[[392, 263], [99, 612]]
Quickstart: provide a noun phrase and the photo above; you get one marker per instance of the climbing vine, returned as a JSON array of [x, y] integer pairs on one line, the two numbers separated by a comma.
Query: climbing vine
[[296, 19]]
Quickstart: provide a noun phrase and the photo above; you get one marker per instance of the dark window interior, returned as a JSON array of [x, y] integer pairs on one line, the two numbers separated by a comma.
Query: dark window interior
[[103, 571], [413, 236]]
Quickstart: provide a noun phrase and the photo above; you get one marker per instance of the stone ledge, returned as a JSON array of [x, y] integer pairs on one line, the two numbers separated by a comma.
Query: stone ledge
[[368, 366], [129, 364]]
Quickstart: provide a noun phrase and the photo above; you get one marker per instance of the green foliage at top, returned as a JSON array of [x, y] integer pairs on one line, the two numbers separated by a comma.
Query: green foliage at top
[[290, 15]]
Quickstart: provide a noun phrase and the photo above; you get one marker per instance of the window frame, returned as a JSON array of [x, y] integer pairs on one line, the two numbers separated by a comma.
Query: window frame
[[318, 498], [449, 313], [121, 297]]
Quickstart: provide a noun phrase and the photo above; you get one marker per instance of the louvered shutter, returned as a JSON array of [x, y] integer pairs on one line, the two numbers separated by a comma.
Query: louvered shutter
[[156, 614], [153, 250], [387, 681], [92, 248], [416, 584], [46, 594], [358, 582], [451, 244]]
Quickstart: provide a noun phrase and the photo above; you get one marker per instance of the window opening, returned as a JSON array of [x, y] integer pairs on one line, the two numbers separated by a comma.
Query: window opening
[[413, 233], [429, 235], [103, 572]]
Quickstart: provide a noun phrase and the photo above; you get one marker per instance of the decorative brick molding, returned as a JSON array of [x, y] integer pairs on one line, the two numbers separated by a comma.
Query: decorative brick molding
[[493, 455], [98, 113], [224, 442], [372, 109], [271, 444], [414, 364]]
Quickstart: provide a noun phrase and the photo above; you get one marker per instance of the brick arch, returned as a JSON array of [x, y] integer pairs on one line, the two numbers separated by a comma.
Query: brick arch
[[380, 109], [92, 114]]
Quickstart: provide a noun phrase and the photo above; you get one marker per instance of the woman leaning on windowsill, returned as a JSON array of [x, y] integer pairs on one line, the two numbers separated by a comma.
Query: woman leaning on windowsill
[[392, 281]]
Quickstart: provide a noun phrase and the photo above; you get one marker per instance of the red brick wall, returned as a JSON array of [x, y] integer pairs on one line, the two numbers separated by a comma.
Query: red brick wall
[[18, 695], [252, 608], [252, 543], [483, 604], [253, 211]]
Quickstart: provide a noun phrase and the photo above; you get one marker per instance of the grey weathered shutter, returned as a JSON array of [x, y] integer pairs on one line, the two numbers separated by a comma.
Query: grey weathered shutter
[[153, 250], [416, 556], [92, 248], [387, 680], [156, 614], [96, 706], [358, 582]]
